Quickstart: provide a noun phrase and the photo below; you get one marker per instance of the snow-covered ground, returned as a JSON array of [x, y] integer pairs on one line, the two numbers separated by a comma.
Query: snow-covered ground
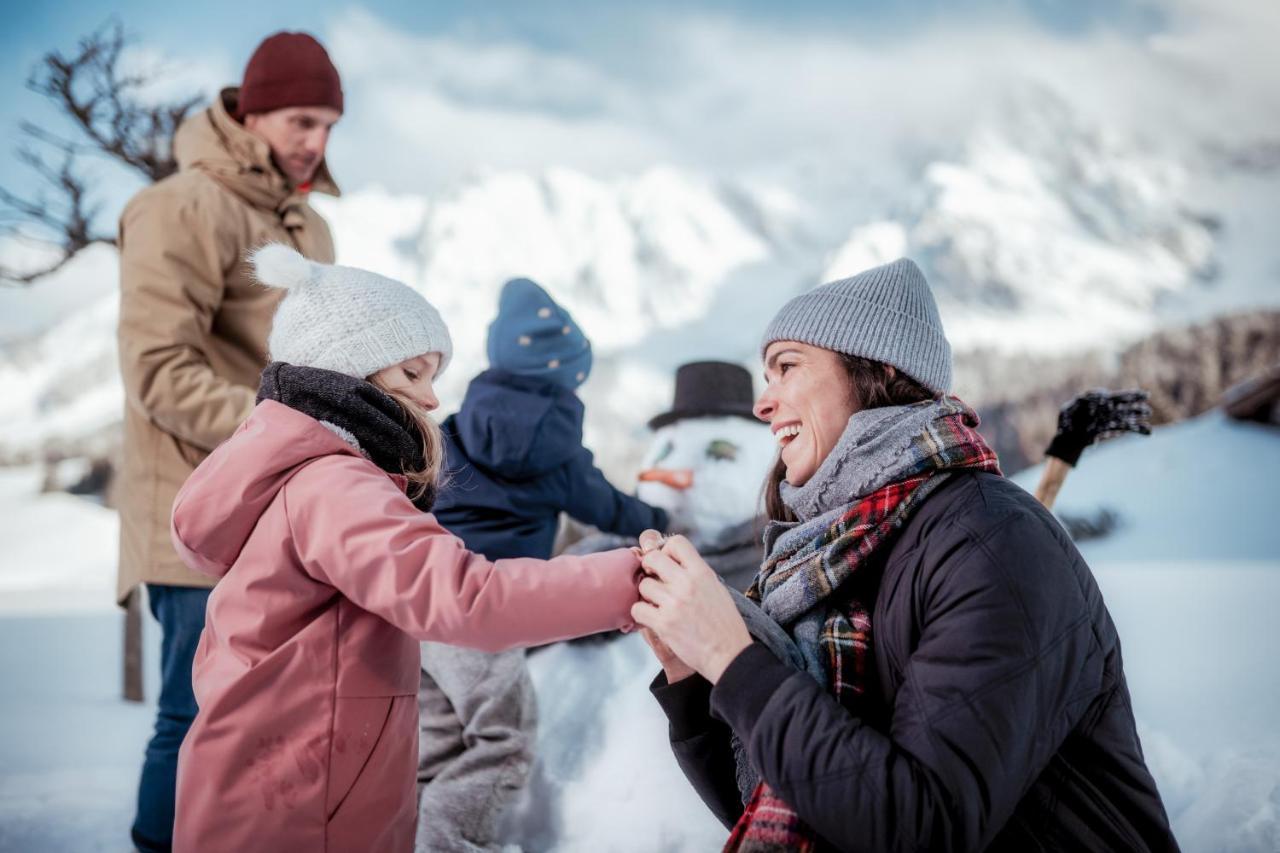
[[1191, 576], [71, 749]]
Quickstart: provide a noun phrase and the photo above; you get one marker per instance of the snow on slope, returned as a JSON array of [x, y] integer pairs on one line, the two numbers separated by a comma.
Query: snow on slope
[[1204, 489], [59, 551], [63, 388], [30, 310]]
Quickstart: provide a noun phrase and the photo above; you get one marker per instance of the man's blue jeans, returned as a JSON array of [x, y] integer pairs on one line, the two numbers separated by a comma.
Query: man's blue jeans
[[180, 612]]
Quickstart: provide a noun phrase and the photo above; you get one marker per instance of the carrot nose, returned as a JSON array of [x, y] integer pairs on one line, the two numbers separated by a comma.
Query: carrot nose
[[679, 479]]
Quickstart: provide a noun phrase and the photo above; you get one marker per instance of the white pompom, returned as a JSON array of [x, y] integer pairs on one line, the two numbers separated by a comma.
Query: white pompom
[[277, 265]]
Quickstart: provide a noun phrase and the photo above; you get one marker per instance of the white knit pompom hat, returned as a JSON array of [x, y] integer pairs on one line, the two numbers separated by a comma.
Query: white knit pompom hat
[[344, 319]]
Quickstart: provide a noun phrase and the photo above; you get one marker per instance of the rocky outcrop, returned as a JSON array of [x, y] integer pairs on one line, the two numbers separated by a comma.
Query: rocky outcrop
[[1185, 370]]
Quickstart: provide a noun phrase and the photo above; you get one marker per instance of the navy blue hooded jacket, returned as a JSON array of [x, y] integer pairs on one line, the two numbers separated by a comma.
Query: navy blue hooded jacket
[[515, 460]]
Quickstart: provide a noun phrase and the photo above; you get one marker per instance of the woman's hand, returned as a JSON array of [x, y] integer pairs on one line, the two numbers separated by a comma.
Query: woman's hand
[[674, 668], [688, 608]]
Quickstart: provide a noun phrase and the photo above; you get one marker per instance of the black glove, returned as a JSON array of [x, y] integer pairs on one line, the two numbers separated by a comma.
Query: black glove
[[1096, 415]]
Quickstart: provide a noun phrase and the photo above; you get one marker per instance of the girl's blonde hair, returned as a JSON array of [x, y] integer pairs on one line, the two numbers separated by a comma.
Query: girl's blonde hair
[[428, 477]]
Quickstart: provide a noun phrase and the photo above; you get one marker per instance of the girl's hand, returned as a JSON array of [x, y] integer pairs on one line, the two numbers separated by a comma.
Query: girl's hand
[[651, 540], [684, 603]]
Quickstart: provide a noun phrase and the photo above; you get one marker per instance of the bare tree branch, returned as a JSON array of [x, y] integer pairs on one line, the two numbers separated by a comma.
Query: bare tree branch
[[39, 134], [109, 110], [72, 218], [107, 106]]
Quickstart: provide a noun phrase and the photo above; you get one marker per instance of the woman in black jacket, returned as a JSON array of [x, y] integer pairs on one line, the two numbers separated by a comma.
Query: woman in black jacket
[[929, 663]]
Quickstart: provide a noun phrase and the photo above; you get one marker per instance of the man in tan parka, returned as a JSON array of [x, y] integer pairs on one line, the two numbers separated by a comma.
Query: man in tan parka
[[193, 337]]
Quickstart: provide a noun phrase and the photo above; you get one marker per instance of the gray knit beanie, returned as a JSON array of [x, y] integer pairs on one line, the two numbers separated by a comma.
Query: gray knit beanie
[[885, 314], [344, 319]]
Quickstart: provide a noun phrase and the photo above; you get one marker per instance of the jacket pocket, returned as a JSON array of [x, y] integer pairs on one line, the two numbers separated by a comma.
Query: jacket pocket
[[359, 725], [371, 803]]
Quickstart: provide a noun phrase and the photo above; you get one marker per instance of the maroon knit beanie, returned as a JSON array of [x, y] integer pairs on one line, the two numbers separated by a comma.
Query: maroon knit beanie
[[289, 70]]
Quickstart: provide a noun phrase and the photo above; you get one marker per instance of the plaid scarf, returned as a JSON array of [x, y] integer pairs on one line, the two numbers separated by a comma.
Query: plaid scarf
[[828, 586]]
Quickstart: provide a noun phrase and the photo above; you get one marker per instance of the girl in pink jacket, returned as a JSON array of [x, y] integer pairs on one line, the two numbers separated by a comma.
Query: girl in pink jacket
[[331, 573]]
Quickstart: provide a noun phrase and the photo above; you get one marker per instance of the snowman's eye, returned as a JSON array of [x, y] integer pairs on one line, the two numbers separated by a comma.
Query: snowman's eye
[[722, 450], [666, 451]]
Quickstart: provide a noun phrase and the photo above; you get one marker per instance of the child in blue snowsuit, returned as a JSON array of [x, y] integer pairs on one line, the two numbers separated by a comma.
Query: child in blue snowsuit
[[514, 462]]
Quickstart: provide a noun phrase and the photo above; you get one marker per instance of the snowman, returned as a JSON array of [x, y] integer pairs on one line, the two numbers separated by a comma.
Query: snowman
[[604, 777], [706, 467]]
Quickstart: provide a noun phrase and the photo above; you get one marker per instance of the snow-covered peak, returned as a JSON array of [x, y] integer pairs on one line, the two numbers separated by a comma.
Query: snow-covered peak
[[624, 256], [627, 256], [1042, 232]]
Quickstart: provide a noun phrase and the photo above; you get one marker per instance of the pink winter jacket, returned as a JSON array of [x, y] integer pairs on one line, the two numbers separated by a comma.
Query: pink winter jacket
[[307, 671]]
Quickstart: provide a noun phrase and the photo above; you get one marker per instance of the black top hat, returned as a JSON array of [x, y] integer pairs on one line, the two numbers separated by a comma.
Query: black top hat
[[709, 389]]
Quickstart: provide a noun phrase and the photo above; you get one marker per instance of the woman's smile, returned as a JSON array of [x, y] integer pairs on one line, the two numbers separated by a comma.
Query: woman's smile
[[807, 403], [786, 433]]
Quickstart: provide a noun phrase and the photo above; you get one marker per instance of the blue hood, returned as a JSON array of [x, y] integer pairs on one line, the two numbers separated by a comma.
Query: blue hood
[[517, 427]]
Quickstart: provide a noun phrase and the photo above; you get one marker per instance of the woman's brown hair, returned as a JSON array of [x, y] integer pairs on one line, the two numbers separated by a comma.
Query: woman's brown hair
[[872, 385], [426, 478]]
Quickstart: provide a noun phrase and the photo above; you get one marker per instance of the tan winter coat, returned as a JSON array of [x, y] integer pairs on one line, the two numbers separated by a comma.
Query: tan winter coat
[[193, 323]]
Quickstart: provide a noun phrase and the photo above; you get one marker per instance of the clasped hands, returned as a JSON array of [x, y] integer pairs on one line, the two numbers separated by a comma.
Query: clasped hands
[[685, 613]]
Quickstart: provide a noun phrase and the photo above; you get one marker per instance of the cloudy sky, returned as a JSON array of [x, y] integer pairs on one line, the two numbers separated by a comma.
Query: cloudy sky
[[437, 91]]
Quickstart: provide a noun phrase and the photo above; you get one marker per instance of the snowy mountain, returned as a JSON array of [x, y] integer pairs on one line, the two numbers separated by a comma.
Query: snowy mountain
[[1041, 232], [1048, 235], [628, 258]]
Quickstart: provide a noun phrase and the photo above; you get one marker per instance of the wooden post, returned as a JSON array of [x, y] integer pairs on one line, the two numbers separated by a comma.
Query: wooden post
[[133, 646], [1055, 471]]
